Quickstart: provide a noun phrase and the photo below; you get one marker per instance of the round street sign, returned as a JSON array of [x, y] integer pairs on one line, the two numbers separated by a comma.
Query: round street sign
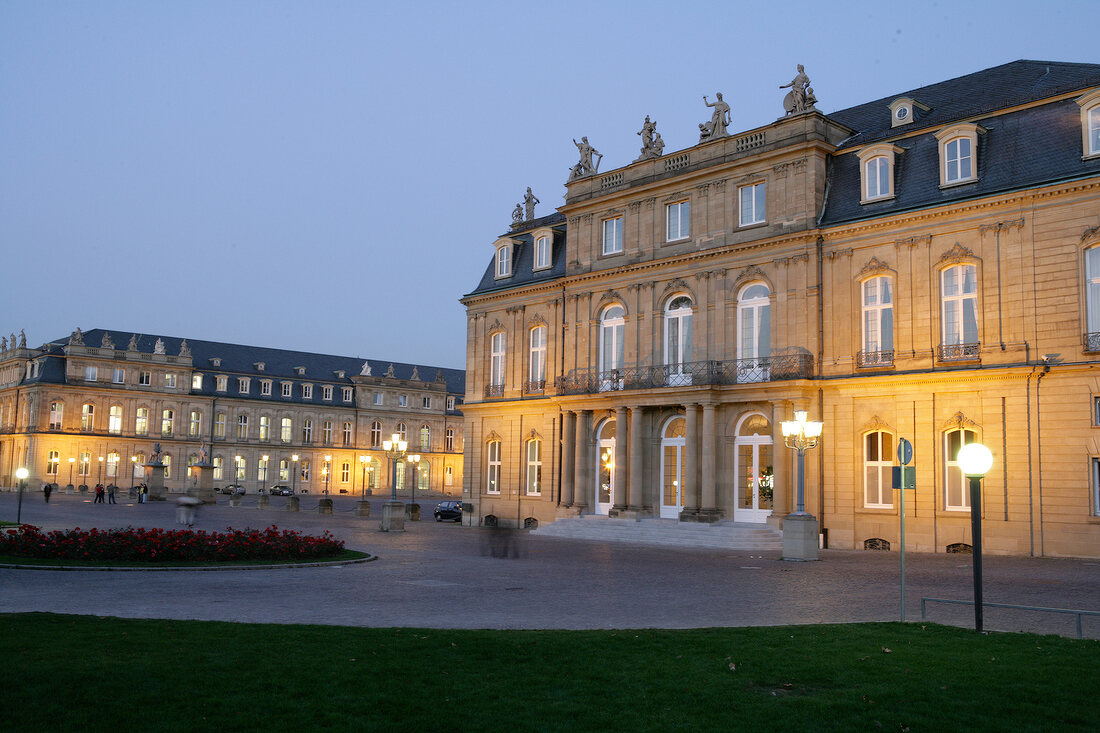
[[905, 451]]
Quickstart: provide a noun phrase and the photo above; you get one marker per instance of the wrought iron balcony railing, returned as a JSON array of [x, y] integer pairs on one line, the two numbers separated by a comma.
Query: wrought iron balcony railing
[[494, 390], [1092, 342], [960, 352], [874, 358], [534, 386], [778, 366]]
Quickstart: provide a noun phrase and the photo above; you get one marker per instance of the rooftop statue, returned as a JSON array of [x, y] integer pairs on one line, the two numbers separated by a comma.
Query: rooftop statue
[[158, 347], [133, 342], [517, 214], [801, 97], [389, 371], [584, 166], [3, 343], [365, 371], [652, 144], [185, 350], [106, 341], [415, 375], [529, 202], [719, 120], [76, 339], [22, 339]]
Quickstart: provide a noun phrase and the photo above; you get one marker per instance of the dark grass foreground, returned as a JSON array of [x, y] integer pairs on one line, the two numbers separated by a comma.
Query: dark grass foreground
[[88, 673]]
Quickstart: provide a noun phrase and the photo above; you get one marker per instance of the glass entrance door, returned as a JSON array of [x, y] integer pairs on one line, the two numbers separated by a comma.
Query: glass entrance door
[[672, 469], [754, 483]]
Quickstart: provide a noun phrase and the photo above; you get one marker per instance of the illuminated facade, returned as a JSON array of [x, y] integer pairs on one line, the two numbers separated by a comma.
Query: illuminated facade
[[90, 408], [923, 266]]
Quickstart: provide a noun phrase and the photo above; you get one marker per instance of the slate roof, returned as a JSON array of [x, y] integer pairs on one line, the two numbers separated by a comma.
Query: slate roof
[[523, 258], [279, 364]]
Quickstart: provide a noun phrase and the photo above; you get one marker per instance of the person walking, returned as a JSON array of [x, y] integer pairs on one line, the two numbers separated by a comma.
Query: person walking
[[111, 488], [143, 493], [98, 494], [47, 489]]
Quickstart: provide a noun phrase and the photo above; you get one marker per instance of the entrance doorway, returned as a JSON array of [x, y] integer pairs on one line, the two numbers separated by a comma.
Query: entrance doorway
[[605, 468], [672, 468], [753, 473]]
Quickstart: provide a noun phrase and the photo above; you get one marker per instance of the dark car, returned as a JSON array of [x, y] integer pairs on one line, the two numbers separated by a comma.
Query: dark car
[[448, 510], [232, 489], [281, 490]]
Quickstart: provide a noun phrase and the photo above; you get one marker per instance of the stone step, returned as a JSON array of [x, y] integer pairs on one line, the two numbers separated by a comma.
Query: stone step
[[724, 535]]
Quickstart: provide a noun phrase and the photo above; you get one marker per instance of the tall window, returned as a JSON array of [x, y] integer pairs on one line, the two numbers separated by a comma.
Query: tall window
[[242, 427], [347, 434], [449, 440], [754, 332], [956, 495], [166, 459], [402, 400], [112, 464], [326, 432], [114, 420], [265, 427], [194, 425], [345, 472], [119, 376], [285, 428], [261, 468], [536, 367], [878, 320], [612, 323], [375, 434], [304, 466], [753, 210], [307, 431], [90, 373], [492, 485], [1094, 130], [678, 318], [402, 431], [425, 437], [139, 467], [960, 305], [167, 419], [284, 469], [1092, 297], [265, 387], [145, 378], [84, 463], [170, 381], [219, 425], [678, 217], [613, 235], [958, 161], [534, 467], [141, 421], [57, 413], [876, 175], [286, 388], [196, 380], [504, 260], [326, 392], [307, 391], [496, 360], [53, 461], [542, 253], [87, 417], [878, 451], [243, 384], [241, 466]]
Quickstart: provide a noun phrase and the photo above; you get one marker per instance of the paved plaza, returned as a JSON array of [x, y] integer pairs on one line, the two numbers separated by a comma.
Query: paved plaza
[[443, 576]]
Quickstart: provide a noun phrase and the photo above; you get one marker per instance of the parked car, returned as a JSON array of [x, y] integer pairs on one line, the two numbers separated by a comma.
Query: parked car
[[232, 489], [448, 510], [281, 490]]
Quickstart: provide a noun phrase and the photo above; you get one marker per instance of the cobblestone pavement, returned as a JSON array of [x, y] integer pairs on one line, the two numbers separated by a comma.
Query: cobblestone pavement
[[443, 576]]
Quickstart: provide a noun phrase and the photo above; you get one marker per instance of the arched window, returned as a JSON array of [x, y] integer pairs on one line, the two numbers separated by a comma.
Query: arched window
[[139, 467], [376, 434], [492, 473], [285, 430], [167, 417], [347, 434], [534, 467], [57, 414], [754, 333], [450, 440], [612, 322], [678, 318], [673, 440], [425, 437], [878, 322], [954, 482], [536, 367], [112, 464], [141, 421], [878, 452], [959, 297], [754, 481], [1092, 297], [402, 431], [87, 417], [307, 431], [605, 467]]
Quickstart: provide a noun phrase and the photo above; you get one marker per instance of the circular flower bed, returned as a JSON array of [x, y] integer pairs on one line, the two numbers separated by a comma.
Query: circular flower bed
[[160, 545]]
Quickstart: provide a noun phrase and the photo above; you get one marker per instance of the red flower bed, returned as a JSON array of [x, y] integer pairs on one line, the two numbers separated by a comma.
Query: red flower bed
[[160, 545]]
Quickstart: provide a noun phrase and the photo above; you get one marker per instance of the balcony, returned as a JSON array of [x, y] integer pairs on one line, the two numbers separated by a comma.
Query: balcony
[[494, 390], [874, 359], [959, 352], [1092, 342], [534, 386], [789, 364]]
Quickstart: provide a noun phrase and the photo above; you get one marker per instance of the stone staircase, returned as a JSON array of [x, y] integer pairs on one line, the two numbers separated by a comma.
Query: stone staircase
[[726, 535]]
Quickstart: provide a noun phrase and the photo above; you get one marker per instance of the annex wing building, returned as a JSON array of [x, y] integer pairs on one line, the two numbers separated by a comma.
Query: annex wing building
[[923, 266]]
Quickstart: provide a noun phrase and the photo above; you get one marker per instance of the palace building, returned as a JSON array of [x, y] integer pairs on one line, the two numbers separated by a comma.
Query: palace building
[[91, 409], [923, 266]]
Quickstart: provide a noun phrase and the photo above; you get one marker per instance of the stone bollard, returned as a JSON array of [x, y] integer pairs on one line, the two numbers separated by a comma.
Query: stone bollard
[[292, 504], [324, 506], [263, 502], [412, 512], [362, 508], [235, 500], [69, 488]]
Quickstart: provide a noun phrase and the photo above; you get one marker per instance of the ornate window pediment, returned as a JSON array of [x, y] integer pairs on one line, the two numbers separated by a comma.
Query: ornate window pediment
[[959, 421], [877, 424], [958, 255], [875, 266]]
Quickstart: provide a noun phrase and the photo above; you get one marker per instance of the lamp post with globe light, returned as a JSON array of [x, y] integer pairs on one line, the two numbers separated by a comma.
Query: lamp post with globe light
[[21, 473], [975, 460], [800, 531], [414, 478], [393, 511], [71, 462]]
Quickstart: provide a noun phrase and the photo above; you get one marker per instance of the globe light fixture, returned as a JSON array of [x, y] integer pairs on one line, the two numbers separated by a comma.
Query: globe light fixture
[[21, 473], [975, 460], [801, 435]]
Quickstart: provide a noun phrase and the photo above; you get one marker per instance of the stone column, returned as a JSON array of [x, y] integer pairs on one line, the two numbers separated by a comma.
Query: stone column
[[582, 489], [691, 460], [709, 508], [636, 419], [622, 460], [568, 457], [781, 477]]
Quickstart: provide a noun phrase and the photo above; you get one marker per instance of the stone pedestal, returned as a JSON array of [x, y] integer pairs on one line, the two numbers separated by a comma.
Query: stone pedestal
[[324, 506], [800, 537], [362, 508], [393, 516], [263, 502], [412, 512], [204, 483], [154, 478], [292, 503], [69, 489]]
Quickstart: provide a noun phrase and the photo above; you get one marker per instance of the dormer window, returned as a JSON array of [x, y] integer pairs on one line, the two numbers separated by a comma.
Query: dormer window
[[1090, 124], [340, 374], [958, 154], [904, 110], [259, 366], [503, 259], [544, 239], [876, 172], [300, 371], [216, 362]]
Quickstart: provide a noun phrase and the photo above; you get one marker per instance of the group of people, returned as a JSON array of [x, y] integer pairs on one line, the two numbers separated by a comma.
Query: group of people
[[102, 493]]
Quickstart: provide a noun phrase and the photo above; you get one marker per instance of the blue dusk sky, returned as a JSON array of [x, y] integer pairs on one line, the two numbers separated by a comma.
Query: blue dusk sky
[[330, 176]]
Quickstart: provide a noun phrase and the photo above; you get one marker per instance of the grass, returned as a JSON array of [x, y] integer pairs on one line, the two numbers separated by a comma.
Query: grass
[[90, 673], [344, 556]]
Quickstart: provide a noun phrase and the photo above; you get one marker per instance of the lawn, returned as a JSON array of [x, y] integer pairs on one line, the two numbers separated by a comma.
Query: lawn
[[89, 673]]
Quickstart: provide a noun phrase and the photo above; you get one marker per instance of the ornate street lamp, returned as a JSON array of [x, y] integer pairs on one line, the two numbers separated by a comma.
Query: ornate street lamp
[[263, 484], [294, 474], [133, 467], [238, 470], [21, 473], [325, 471], [363, 488], [393, 512], [71, 462], [414, 470], [99, 475], [975, 460], [800, 530]]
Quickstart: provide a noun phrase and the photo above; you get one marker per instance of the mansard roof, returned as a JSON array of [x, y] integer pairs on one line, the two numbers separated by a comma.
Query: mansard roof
[[523, 258], [279, 364]]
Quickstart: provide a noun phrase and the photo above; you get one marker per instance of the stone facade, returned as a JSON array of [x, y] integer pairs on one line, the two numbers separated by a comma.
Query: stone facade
[[105, 406], [926, 279]]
